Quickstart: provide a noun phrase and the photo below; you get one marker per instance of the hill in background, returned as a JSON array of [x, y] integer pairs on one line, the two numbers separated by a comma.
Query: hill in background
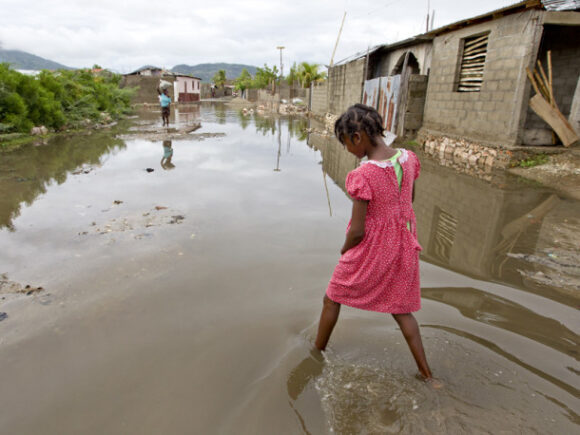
[[206, 71], [22, 60]]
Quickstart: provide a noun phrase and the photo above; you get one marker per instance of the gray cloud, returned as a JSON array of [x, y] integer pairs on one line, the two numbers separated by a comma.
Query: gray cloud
[[124, 35]]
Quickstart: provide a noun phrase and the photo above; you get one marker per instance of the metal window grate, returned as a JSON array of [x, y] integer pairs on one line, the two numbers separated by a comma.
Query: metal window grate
[[472, 64]]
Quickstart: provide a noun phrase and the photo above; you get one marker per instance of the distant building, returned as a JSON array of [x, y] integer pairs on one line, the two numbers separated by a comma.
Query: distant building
[[186, 88], [148, 71]]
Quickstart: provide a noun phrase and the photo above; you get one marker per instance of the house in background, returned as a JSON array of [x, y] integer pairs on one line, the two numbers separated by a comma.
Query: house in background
[[186, 88], [148, 71]]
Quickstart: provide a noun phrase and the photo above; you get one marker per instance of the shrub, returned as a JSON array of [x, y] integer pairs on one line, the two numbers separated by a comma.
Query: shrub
[[59, 98]]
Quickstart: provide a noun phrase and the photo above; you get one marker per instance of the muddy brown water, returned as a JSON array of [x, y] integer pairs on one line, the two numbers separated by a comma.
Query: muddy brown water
[[185, 300]]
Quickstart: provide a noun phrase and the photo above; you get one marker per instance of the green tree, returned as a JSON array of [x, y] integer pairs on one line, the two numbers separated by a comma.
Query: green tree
[[293, 75], [244, 81], [308, 73], [265, 76], [219, 78]]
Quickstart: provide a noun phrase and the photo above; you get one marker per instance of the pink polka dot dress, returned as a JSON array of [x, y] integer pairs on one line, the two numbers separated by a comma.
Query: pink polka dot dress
[[382, 272]]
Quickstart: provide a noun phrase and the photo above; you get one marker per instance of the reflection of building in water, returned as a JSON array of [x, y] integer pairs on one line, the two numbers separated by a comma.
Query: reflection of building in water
[[336, 160], [187, 114], [480, 229], [508, 232], [506, 314]]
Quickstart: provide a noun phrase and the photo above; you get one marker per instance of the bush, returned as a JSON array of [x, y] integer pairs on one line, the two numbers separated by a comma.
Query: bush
[[59, 98]]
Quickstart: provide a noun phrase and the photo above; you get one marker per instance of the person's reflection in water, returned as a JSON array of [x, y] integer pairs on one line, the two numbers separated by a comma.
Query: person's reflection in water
[[167, 155], [309, 369]]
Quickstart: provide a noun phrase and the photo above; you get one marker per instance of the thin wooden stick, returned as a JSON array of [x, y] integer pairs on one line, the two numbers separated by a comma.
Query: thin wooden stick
[[540, 83], [531, 77], [552, 100], [550, 77], [545, 82]]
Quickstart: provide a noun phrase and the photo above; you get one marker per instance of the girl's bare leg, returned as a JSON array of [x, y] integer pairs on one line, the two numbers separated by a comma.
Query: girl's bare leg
[[412, 335], [328, 318]]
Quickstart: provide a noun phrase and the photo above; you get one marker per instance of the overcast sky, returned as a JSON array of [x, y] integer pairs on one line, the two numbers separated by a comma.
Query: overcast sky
[[125, 34]]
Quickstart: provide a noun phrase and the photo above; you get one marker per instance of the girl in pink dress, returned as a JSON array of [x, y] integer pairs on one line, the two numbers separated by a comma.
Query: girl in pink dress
[[379, 264]]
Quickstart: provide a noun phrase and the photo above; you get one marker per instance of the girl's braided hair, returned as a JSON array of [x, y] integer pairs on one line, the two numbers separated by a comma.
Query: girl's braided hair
[[356, 118]]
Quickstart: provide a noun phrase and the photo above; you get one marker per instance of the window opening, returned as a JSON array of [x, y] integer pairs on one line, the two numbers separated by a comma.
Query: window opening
[[472, 63]]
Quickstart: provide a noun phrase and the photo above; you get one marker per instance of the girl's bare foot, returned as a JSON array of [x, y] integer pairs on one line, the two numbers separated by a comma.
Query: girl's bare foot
[[434, 383]]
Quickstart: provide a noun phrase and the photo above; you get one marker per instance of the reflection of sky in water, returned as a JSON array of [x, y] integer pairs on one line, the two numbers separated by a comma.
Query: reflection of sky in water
[[263, 249]]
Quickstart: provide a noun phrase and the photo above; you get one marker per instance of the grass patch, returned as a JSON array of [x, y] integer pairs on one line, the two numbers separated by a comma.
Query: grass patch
[[412, 143], [11, 142], [538, 159]]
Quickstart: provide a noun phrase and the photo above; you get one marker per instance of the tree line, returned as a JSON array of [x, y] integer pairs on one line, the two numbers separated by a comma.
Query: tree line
[[304, 74]]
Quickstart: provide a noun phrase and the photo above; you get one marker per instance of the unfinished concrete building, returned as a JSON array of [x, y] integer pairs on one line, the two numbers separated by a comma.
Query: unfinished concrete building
[[478, 88], [464, 85]]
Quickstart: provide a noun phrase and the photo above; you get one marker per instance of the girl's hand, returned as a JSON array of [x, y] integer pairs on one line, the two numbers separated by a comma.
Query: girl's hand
[[356, 232]]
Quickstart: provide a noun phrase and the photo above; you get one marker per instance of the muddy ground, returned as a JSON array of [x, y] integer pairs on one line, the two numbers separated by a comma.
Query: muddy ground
[[561, 172]]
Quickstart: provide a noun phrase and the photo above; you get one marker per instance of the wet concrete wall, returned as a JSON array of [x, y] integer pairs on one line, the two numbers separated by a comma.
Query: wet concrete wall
[[495, 115]]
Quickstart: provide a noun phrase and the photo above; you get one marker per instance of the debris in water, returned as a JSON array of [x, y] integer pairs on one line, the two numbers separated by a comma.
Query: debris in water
[[176, 219], [149, 169], [7, 286], [3, 316], [117, 202], [160, 207]]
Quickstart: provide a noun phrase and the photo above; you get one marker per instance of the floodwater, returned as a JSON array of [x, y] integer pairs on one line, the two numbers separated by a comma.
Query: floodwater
[[186, 299]]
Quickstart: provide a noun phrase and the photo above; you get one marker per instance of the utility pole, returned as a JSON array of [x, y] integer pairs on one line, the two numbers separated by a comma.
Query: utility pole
[[280, 47]]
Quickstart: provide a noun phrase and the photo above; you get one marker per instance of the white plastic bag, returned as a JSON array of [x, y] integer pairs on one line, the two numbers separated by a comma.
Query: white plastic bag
[[164, 85]]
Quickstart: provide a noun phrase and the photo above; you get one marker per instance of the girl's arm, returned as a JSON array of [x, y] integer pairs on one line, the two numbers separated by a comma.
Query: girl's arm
[[356, 232]]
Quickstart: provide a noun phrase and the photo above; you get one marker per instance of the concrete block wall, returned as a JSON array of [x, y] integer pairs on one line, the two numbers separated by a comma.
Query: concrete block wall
[[494, 115], [147, 88], [563, 43], [268, 100], [319, 98], [346, 85], [416, 95]]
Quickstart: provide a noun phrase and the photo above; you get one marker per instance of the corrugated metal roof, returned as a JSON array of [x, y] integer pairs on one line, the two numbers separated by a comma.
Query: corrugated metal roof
[[561, 5]]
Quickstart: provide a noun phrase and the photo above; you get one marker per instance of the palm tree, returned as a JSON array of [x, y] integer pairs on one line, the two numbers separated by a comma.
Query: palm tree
[[219, 78], [308, 73]]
